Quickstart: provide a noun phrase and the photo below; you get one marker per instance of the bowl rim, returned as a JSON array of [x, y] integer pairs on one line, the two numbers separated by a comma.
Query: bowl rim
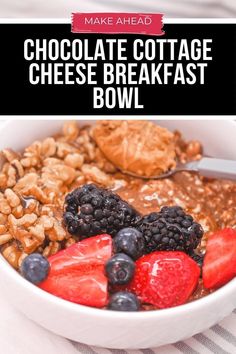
[[194, 305]]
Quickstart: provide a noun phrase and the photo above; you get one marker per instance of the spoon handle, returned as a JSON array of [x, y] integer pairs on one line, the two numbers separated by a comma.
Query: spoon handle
[[217, 168]]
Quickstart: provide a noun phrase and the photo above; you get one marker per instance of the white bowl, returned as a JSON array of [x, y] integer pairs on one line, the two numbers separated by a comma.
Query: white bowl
[[115, 329]]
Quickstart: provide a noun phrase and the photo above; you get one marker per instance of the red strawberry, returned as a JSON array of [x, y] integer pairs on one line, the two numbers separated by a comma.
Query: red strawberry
[[77, 273], [165, 279], [219, 264]]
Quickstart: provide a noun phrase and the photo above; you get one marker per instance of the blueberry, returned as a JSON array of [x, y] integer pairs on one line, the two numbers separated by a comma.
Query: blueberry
[[129, 241], [35, 268], [124, 301], [120, 269]]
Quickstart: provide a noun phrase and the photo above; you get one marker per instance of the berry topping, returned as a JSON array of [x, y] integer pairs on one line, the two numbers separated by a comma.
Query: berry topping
[[77, 273], [219, 264], [171, 229], [120, 269], [198, 258], [91, 210], [165, 279], [35, 268], [124, 301], [129, 241]]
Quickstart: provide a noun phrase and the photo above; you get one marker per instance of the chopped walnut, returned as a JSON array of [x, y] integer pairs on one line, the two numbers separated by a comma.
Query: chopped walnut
[[38, 232], [53, 248], [12, 198], [18, 211], [74, 160], [26, 182], [26, 220], [63, 149], [4, 238], [70, 130], [49, 147], [4, 205], [3, 229], [93, 173], [12, 254], [10, 155]]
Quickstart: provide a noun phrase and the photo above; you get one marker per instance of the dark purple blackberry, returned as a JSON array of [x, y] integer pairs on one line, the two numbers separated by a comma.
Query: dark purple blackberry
[[91, 210], [170, 229], [197, 257]]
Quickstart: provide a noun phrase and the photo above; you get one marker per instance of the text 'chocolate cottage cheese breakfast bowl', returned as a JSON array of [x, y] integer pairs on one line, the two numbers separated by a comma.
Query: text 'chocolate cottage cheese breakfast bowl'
[[76, 227]]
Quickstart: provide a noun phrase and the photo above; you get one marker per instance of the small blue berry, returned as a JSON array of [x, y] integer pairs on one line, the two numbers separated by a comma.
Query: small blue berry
[[35, 268], [120, 269], [129, 241], [124, 301]]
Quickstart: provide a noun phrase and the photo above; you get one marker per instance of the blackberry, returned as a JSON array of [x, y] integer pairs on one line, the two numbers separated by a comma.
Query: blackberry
[[198, 258], [170, 229], [91, 210]]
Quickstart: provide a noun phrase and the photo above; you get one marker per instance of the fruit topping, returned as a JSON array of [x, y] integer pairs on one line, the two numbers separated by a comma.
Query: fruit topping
[[35, 268], [219, 264], [77, 273], [198, 257], [120, 269], [165, 279], [124, 301], [171, 229], [91, 210], [129, 241]]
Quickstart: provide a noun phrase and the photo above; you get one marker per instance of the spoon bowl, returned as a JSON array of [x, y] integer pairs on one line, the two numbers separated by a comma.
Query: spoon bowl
[[207, 167]]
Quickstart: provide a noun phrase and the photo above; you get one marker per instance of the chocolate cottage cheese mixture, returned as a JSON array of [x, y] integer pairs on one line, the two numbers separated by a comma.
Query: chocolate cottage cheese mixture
[[34, 183]]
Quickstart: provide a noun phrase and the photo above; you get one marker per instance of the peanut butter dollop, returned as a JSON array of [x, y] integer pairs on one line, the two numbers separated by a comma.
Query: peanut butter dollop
[[138, 147]]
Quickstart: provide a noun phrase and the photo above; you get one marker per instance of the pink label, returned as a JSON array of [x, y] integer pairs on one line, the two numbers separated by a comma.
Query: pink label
[[148, 24]]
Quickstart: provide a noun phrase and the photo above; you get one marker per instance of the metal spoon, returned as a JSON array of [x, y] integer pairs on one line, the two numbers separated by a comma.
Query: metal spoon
[[207, 167]]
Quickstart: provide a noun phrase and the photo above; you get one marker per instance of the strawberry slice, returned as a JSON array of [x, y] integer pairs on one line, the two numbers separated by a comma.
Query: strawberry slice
[[165, 279], [219, 265], [91, 251], [77, 273]]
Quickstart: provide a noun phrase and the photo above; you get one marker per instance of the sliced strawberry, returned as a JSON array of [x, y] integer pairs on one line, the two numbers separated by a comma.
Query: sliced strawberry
[[77, 273], [219, 265], [83, 288], [165, 279], [91, 251]]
